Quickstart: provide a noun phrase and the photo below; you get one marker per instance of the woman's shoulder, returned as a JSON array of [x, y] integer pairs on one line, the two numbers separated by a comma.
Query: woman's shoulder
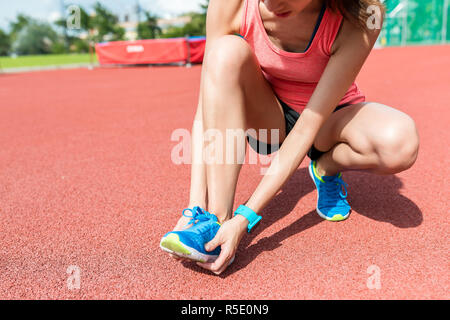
[[226, 14], [350, 31]]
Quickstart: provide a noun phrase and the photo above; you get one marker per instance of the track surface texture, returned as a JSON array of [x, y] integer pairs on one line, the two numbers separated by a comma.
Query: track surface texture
[[88, 187]]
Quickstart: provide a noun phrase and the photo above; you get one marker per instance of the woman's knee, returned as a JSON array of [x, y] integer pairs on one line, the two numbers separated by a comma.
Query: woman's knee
[[398, 145], [227, 58]]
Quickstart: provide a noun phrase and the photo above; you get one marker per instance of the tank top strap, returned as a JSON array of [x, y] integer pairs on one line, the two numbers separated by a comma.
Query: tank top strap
[[331, 28], [247, 17]]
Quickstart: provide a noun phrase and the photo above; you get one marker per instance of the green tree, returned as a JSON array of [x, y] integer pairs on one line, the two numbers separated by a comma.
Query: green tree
[[85, 22], [106, 25], [16, 26], [5, 43], [80, 45], [35, 38], [205, 7], [149, 29], [196, 27], [74, 41]]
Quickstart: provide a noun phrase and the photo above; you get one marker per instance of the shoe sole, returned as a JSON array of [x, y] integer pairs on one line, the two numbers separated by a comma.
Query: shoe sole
[[336, 217], [172, 244]]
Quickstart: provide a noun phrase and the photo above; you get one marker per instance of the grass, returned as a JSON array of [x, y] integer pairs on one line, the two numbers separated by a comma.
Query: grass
[[44, 60]]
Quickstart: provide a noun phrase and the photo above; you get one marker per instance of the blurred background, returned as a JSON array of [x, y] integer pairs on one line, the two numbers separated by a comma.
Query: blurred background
[[416, 22], [48, 33], [52, 32]]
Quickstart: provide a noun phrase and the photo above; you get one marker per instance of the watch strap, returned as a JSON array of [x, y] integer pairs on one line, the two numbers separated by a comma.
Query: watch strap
[[252, 217]]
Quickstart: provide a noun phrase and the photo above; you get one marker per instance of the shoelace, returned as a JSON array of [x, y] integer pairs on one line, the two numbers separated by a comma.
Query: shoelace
[[197, 215], [335, 186]]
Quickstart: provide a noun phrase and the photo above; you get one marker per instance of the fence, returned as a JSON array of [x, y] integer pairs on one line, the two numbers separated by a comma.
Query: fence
[[415, 22]]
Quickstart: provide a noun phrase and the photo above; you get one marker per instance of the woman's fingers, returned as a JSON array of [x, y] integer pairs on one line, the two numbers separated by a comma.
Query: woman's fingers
[[220, 264]]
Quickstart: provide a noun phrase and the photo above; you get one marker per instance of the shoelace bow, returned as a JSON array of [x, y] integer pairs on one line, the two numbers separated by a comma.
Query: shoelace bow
[[197, 215], [334, 186]]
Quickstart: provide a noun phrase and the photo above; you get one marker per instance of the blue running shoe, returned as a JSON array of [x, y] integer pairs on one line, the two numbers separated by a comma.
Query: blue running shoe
[[190, 243], [332, 203]]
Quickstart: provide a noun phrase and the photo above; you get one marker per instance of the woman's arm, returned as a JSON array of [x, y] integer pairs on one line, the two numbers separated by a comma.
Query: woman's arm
[[345, 63], [222, 18], [343, 67]]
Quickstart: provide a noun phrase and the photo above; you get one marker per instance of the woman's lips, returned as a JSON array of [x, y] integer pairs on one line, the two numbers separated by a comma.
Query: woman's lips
[[283, 15]]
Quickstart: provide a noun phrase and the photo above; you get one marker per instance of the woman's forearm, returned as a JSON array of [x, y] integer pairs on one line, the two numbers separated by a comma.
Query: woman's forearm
[[284, 164]]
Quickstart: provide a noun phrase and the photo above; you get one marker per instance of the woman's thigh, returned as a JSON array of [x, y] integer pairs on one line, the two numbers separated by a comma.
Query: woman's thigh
[[232, 64], [372, 128]]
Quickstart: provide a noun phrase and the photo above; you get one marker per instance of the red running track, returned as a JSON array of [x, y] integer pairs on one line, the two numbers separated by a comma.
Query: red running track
[[86, 180]]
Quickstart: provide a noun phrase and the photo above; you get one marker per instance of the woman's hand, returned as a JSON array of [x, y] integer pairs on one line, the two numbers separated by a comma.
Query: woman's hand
[[228, 238]]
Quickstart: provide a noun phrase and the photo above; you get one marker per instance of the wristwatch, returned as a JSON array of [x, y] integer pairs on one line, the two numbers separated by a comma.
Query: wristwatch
[[249, 214]]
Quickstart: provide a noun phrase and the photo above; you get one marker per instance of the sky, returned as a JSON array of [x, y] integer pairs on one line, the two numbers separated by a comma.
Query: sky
[[50, 10]]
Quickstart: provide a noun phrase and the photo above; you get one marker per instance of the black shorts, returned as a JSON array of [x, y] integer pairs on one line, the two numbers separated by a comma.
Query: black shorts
[[291, 116]]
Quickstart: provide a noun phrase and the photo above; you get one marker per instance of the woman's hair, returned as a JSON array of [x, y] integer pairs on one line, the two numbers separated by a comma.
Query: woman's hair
[[356, 11]]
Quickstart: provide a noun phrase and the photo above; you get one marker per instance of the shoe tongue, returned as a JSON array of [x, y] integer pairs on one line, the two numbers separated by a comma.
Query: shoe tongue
[[330, 178], [209, 215], [214, 218]]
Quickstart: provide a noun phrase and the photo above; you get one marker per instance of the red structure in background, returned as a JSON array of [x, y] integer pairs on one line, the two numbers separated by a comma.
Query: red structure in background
[[154, 51]]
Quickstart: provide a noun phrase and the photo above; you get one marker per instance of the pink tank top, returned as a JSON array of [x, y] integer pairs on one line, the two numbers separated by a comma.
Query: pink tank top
[[294, 76]]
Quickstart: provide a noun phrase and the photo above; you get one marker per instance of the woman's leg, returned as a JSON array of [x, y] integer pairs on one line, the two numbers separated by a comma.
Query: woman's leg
[[367, 136], [198, 193], [235, 96]]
